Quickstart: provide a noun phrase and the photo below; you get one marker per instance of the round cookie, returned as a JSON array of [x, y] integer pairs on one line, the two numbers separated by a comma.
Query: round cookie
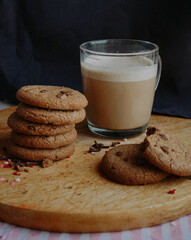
[[52, 97], [46, 116], [53, 141], [21, 125], [167, 153], [30, 154], [125, 164]]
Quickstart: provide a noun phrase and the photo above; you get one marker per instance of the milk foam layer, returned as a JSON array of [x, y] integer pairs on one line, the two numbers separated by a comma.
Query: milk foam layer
[[119, 69]]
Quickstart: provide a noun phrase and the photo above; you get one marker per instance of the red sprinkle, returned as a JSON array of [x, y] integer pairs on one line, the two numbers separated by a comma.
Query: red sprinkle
[[172, 191], [6, 166], [68, 156], [31, 166], [106, 151], [15, 173]]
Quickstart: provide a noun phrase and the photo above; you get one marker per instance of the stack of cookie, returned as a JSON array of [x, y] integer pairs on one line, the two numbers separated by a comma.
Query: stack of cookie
[[151, 161], [43, 126]]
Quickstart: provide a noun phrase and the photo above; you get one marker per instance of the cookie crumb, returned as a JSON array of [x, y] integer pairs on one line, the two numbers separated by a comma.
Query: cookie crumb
[[19, 169], [47, 163], [24, 191]]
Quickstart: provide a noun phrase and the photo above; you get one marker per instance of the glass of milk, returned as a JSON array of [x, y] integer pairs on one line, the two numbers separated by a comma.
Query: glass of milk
[[119, 80]]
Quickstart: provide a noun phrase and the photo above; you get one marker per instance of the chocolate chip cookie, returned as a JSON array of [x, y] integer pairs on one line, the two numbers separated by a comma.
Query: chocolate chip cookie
[[52, 97], [167, 153], [125, 164], [35, 154], [21, 125], [46, 116], [46, 142]]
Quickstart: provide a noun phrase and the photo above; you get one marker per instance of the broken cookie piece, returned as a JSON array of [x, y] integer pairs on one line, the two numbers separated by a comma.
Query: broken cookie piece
[[167, 152]]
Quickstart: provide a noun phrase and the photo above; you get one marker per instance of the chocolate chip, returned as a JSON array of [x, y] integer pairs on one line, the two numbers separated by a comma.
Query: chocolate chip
[[163, 137], [31, 128], [99, 145], [125, 159], [151, 130], [96, 147], [114, 144], [144, 145], [119, 154], [91, 149], [64, 93], [165, 149]]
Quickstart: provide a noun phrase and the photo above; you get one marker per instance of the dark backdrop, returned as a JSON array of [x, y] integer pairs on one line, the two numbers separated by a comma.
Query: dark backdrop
[[39, 42]]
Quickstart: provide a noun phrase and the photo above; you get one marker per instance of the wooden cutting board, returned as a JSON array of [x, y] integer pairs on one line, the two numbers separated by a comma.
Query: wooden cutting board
[[74, 196]]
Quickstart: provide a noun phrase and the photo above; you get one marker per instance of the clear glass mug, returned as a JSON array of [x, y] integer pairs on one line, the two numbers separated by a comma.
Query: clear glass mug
[[119, 80]]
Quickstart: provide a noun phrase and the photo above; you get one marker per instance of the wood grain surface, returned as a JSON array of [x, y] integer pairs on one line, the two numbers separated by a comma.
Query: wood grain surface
[[74, 196]]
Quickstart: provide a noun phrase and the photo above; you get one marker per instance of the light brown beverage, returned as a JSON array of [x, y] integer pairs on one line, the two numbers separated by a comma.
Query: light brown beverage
[[120, 91]]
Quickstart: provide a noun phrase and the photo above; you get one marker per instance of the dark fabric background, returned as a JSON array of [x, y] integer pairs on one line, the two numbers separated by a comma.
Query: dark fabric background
[[39, 42]]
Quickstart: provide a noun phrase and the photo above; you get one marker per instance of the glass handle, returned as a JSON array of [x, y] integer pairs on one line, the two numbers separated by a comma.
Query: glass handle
[[158, 71]]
